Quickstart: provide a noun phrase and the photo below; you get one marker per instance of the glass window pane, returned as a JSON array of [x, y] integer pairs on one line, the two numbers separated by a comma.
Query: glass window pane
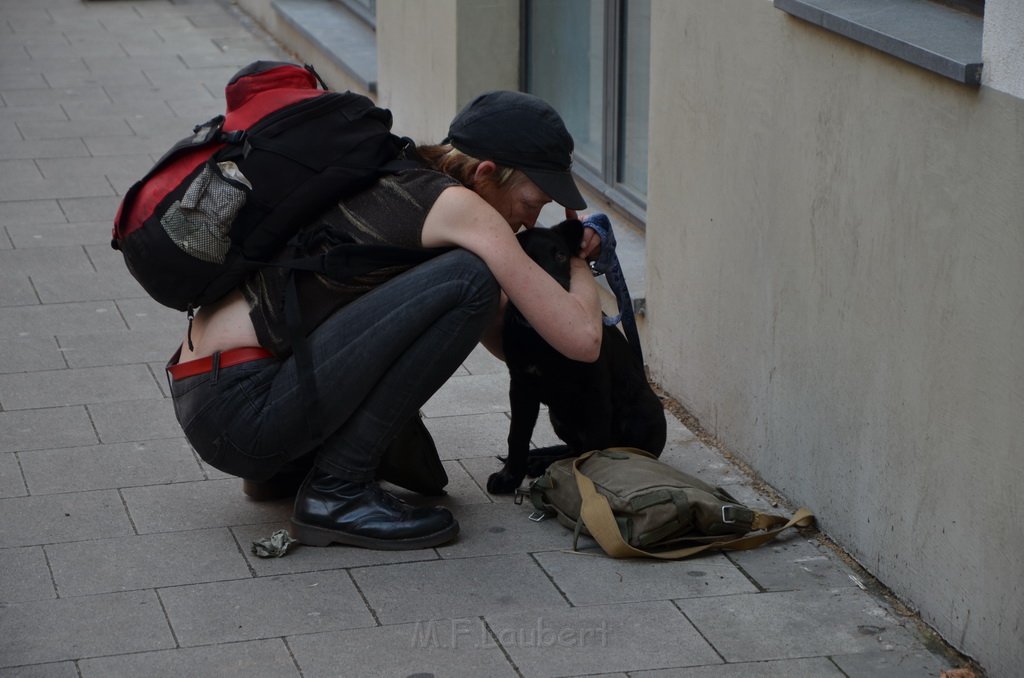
[[565, 66], [634, 95]]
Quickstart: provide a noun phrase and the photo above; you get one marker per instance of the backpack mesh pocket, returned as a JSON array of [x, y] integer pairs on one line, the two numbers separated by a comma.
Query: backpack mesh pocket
[[200, 221]]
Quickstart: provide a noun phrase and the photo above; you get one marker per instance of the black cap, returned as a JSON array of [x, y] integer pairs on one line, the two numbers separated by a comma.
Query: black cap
[[524, 132]]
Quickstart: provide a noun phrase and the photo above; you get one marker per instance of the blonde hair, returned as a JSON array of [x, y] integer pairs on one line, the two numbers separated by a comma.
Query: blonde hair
[[461, 167]]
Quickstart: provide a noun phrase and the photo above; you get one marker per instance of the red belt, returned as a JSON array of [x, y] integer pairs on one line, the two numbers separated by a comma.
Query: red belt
[[235, 356]]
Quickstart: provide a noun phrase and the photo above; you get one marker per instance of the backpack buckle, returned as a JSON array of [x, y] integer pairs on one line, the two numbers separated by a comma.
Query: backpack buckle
[[234, 138]]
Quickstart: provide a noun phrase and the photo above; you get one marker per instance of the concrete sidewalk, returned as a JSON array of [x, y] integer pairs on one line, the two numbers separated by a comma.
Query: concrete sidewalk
[[121, 554]]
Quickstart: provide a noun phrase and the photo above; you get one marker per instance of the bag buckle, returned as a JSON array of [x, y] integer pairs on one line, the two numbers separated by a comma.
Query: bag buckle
[[520, 493], [729, 515], [538, 516]]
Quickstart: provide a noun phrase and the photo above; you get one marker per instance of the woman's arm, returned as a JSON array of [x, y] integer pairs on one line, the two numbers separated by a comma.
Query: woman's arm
[[568, 320]]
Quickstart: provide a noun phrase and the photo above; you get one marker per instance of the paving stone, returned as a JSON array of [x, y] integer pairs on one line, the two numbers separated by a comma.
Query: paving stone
[[145, 108], [42, 148], [133, 145], [33, 187], [99, 208], [471, 435], [13, 52], [41, 64], [481, 361], [267, 607], [165, 127], [49, 260], [57, 388], [914, 664], [143, 562], [96, 78], [121, 171], [234, 58], [254, 659], [71, 628], [70, 129], [45, 428], [30, 353], [142, 313], [793, 564], [116, 348], [311, 558], [441, 647], [12, 171], [92, 286], [203, 504], [16, 289], [9, 132], [56, 670], [101, 467], [503, 528], [792, 624], [22, 80], [697, 459], [454, 588], [41, 112], [463, 490], [197, 111], [133, 420], [815, 667], [12, 484], [26, 576], [600, 639], [81, 49], [24, 212], [60, 235], [474, 394], [62, 517], [50, 319], [593, 579]]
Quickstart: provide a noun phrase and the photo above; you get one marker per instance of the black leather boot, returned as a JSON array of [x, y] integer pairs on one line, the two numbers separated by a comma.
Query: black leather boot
[[329, 510]]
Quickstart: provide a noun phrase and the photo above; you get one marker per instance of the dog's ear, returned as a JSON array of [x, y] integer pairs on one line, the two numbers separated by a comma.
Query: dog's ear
[[571, 231]]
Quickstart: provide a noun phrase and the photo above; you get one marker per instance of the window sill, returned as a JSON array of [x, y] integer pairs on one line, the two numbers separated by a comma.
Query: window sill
[[933, 36], [341, 35]]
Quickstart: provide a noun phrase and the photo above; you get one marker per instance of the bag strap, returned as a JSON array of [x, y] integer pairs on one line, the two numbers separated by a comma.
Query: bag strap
[[596, 514]]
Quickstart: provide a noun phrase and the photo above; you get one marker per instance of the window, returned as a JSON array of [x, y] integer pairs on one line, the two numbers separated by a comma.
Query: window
[[591, 60]]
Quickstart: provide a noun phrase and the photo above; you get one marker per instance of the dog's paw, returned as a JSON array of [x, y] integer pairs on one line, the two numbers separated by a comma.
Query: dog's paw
[[503, 482]]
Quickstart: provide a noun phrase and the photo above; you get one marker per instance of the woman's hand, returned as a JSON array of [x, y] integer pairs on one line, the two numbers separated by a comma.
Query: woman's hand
[[590, 247], [570, 321]]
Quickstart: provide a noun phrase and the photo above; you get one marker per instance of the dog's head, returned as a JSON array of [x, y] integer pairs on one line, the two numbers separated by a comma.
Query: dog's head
[[552, 248]]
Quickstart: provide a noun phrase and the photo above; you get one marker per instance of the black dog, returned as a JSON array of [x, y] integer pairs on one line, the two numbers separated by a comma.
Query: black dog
[[608, 403]]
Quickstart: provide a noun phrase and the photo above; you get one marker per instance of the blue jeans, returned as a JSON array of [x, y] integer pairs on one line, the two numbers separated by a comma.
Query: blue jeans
[[376, 361]]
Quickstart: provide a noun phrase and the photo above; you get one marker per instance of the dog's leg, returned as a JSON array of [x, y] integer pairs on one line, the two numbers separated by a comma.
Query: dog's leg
[[524, 410]]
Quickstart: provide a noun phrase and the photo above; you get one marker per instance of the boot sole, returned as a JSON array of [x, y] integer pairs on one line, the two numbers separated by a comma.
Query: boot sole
[[310, 535]]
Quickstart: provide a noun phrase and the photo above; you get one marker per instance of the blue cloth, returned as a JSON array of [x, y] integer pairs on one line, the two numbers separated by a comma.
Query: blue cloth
[[608, 264]]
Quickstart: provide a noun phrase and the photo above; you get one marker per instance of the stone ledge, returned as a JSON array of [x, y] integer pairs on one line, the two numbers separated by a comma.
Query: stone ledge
[[348, 41], [938, 38]]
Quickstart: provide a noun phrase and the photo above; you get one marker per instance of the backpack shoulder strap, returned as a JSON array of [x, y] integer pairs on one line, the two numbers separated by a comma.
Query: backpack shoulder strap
[[596, 514]]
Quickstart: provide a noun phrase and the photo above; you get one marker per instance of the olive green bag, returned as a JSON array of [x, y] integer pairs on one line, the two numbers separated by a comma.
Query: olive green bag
[[634, 505]]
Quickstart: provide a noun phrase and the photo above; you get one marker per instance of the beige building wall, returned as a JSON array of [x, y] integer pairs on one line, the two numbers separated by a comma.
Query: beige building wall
[[424, 79], [835, 288]]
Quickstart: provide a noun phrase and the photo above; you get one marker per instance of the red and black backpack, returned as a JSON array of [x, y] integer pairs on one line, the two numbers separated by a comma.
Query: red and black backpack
[[228, 197]]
